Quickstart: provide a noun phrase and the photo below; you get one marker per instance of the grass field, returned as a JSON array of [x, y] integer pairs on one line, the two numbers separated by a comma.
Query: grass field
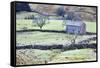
[[75, 56], [28, 24], [52, 25], [36, 56], [48, 37]]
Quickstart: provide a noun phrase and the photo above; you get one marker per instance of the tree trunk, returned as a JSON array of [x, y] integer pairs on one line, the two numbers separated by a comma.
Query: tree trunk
[[41, 28]]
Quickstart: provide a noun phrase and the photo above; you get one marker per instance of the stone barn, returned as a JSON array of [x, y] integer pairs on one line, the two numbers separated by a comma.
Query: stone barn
[[75, 27]]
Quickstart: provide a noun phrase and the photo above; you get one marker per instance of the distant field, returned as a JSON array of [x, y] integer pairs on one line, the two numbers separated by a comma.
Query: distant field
[[52, 25], [28, 24]]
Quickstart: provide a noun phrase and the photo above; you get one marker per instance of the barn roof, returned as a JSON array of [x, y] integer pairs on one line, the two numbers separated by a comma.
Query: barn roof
[[74, 23]]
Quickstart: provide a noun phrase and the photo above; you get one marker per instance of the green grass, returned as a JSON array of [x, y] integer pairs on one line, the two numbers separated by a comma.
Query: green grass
[[35, 56], [52, 25], [45, 37], [24, 24], [91, 27], [75, 56]]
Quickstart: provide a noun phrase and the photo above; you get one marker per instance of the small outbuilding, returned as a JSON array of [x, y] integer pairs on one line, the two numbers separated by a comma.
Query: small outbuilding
[[75, 27], [74, 23]]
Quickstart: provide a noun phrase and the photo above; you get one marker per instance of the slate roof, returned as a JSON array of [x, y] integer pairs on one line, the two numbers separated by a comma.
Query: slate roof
[[74, 23]]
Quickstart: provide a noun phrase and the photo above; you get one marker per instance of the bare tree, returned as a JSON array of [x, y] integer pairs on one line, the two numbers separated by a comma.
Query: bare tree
[[40, 20]]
